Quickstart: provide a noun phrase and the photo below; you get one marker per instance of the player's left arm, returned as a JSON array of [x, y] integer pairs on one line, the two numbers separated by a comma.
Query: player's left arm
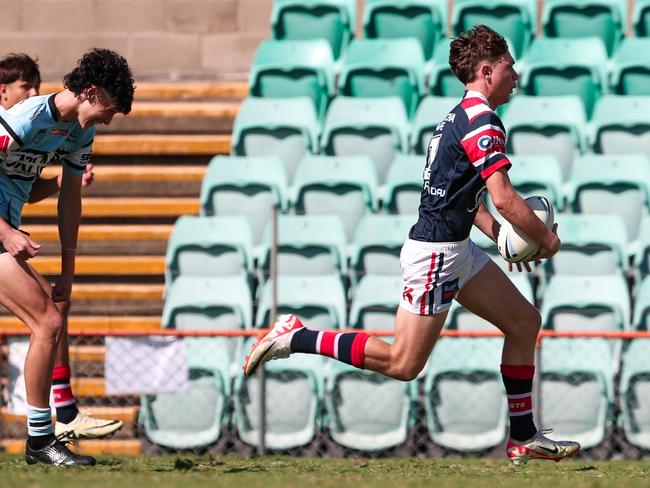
[[46, 187]]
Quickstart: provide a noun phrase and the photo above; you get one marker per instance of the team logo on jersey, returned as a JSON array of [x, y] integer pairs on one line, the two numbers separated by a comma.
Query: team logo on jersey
[[484, 143]]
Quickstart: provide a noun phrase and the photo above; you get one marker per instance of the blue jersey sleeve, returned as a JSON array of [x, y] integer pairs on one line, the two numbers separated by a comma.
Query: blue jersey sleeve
[[76, 156]]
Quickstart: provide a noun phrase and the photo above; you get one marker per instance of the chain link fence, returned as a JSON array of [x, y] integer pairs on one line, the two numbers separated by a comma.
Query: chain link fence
[[185, 391]]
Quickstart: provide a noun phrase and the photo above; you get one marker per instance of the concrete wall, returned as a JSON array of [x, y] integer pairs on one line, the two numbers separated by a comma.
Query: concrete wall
[[162, 39]]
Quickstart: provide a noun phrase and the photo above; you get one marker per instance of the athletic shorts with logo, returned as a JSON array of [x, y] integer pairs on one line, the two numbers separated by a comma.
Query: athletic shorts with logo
[[434, 272]]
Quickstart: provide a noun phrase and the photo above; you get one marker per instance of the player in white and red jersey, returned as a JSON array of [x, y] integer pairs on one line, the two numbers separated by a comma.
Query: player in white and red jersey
[[465, 157]]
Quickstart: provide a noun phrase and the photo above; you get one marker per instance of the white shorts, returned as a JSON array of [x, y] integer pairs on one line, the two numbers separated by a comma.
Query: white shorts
[[434, 272]]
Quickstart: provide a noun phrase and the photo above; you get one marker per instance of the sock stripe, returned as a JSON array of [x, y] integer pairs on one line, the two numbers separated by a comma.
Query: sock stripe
[[337, 339], [319, 340], [39, 421], [345, 348], [327, 344], [358, 358], [61, 372]]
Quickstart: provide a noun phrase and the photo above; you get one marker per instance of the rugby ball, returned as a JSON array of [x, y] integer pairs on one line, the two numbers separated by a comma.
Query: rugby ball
[[515, 246]]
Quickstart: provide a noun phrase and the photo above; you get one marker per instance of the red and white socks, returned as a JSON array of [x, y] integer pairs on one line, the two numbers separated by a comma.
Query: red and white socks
[[64, 400], [348, 347], [518, 380]]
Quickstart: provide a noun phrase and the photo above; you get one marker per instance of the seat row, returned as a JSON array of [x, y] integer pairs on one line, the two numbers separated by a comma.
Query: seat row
[[335, 20], [462, 405], [378, 128], [396, 67]]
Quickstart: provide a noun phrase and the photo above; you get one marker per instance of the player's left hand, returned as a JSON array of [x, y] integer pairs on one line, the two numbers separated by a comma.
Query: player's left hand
[[526, 266], [62, 288], [88, 176]]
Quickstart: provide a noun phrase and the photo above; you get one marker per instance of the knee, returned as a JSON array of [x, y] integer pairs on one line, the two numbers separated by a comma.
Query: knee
[[51, 325], [529, 323]]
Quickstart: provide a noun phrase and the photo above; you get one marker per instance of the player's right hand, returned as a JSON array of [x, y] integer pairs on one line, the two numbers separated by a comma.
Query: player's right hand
[[19, 245], [547, 252]]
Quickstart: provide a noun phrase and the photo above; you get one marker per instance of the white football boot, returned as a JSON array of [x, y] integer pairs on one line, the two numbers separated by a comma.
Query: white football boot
[[274, 345], [85, 426], [541, 447]]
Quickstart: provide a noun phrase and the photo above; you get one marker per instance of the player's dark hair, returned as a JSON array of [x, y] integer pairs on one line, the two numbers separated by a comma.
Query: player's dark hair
[[19, 66], [107, 69], [469, 48]]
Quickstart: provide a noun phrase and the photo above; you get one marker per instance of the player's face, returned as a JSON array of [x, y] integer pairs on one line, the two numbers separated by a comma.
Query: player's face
[[17, 91], [504, 79], [98, 108]]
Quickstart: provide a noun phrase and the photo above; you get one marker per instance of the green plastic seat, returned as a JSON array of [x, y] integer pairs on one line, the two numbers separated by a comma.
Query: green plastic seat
[[603, 184], [641, 18], [384, 68], [621, 125], [538, 175], [426, 20], [249, 187], [431, 111], [332, 20], [377, 244], [330, 185], [374, 127], [606, 19], [641, 319], [464, 397], [634, 393], [513, 19], [367, 411], [577, 389], [209, 246], [442, 81], [591, 245], [559, 67], [319, 301], [375, 302], [642, 254], [630, 73], [403, 187], [294, 402], [284, 127], [283, 69], [308, 245], [544, 125]]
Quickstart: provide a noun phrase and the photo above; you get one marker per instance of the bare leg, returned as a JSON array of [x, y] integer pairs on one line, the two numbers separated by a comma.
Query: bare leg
[[21, 293], [415, 336], [492, 296]]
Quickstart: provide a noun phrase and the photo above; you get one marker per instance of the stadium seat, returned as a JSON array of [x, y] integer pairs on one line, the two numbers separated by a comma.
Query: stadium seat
[[377, 244], [579, 303], [630, 73], [343, 186], [375, 127], [577, 389], [634, 393], [442, 82], [287, 128], [308, 245], [641, 18], [375, 302], [543, 125], [294, 385], [642, 306], [591, 245], [464, 398], [403, 187], [284, 69], [460, 318], [611, 185], [538, 175], [425, 20], [431, 111], [318, 300], [209, 246], [235, 186], [558, 67], [384, 68], [621, 125], [642, 252], [368, 411], [606, 19], [333, 20], [194, 418], [513, 19]]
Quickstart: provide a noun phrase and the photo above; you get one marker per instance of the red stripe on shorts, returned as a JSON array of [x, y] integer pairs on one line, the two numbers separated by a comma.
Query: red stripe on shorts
[[423, 299]]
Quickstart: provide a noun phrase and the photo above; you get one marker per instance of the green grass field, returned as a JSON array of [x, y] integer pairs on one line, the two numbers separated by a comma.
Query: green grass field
[[288, 472]]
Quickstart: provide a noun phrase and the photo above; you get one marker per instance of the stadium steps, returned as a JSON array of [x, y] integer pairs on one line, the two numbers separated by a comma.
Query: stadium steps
[[104, 265], [82, 387], [111, 447], [120, 207], [90, 322], [161, 144]]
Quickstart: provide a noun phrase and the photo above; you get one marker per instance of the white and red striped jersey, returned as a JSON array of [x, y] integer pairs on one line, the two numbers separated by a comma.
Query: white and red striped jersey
[[465, 149]]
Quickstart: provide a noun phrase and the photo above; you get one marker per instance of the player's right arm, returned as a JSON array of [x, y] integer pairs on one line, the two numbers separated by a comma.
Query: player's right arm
[[515, 210]]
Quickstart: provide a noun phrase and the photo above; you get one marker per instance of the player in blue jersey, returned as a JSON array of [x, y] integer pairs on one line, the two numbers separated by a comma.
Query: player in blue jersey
[[20, 79], [33, 133], [465, 157]]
